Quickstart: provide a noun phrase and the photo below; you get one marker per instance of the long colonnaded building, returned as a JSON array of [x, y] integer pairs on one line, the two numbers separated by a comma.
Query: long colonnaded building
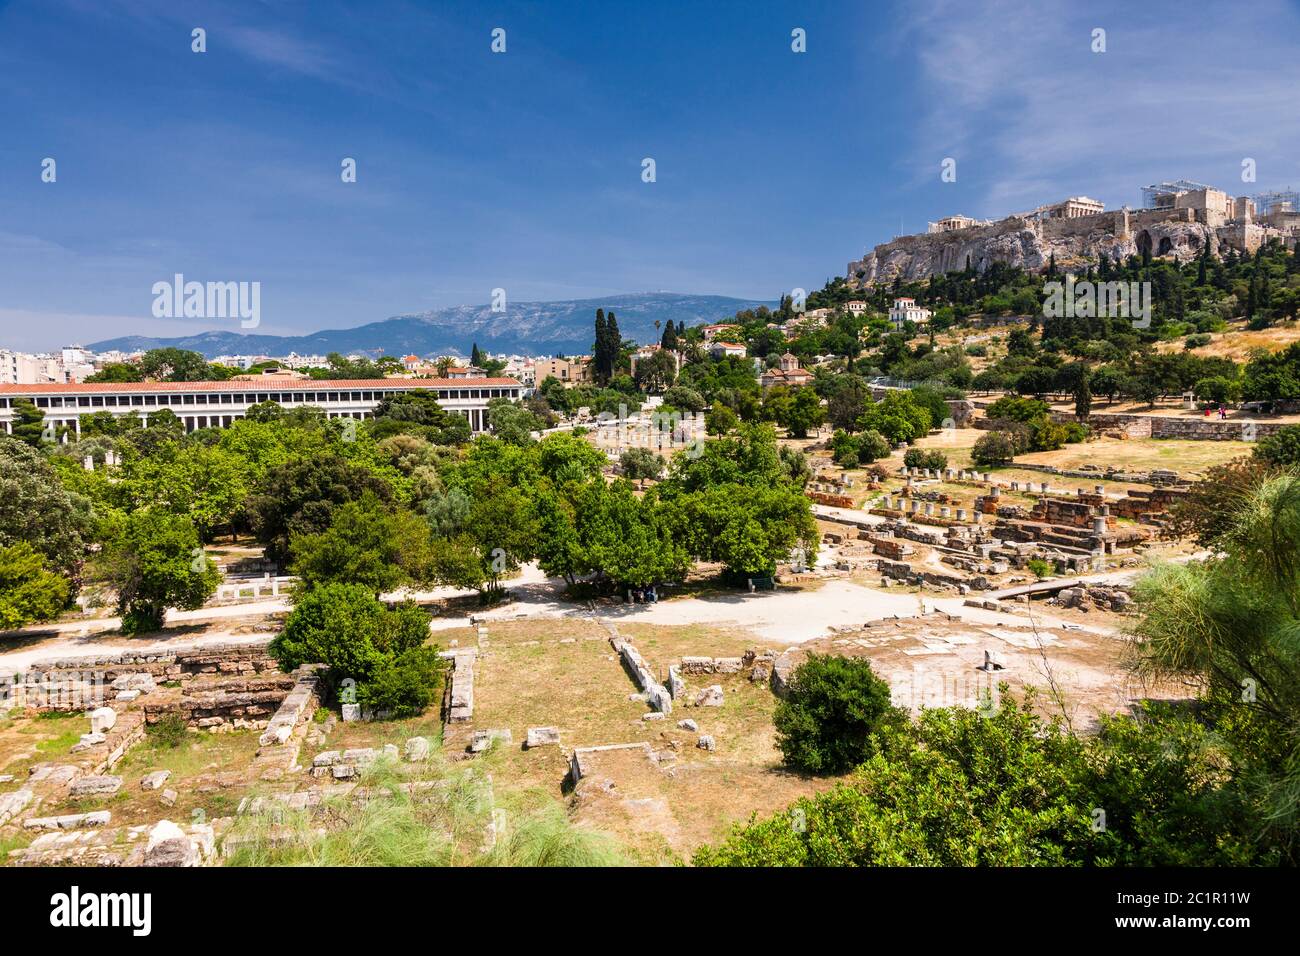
[[218, 404]]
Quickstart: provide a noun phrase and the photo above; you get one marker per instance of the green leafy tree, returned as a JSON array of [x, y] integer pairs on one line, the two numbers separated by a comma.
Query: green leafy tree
[[994, 448], [366, 543], [832, 708], [638, 464], [512, 423], [356, 637], [29, 591], [153, 564], [299, 497], [29, 423], [37, 509], [628, 539]]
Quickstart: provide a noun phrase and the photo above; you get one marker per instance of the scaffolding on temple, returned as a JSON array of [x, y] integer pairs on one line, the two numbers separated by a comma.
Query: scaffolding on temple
[[1278, 200], [1152, 195]]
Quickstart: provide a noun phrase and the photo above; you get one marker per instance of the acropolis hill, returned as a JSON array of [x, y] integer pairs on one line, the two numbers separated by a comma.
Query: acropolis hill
[[1076, 230]]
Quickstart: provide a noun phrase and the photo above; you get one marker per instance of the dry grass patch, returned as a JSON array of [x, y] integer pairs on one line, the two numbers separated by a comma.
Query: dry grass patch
[[579, 687], [1183, 456], [27, 739]]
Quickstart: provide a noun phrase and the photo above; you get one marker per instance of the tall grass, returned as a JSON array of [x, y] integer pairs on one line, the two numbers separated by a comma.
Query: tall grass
[[438, 815]]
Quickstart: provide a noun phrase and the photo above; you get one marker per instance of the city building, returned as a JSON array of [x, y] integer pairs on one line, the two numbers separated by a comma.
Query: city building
[[570, 371], [726, 349], [713, 331], [787, 372], [906, 310], [218, 404], [855, 306]]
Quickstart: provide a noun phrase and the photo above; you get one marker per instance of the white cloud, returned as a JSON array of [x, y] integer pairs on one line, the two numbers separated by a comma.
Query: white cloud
[[1014, 92]]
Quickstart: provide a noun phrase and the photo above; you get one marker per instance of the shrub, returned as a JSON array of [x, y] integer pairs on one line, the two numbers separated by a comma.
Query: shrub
[[345, 627], [1075, 432], [872, 446], [925, 458], [834, 706], [1017, 409], [995, 448], [1046, 435], [1040, 568], [405, 685], [1281, 448], [169, 732]]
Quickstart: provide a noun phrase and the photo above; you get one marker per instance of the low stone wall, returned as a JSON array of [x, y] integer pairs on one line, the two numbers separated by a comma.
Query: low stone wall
[[84, 682], [237, 703], [459, 701], [1163, 426], [656, 694]]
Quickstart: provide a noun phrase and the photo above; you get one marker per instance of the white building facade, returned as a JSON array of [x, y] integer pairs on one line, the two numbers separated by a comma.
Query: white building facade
[[906, 310], [219, 404]]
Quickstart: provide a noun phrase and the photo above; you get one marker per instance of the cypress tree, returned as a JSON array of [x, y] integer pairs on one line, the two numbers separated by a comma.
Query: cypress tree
[[476, 357], [613, 347], [600, 347]]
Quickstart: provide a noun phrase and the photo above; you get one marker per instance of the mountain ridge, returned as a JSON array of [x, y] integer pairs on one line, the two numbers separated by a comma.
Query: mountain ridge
[[552, 327]]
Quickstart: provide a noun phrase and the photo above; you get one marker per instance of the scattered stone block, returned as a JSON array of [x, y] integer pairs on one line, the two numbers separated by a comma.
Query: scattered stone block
[[11, 804], [95, 786], [416, 749], [688, 724], [653, 715], [71, 821], [542, 737], [390, 751], [343, 771], [102, 719], [706, 742], [169, 798], [326, 759], [710, 697], [351, 712], [483, 739], [127, 696], [86, 742], [169, 845], [676, 686], [155, 780]]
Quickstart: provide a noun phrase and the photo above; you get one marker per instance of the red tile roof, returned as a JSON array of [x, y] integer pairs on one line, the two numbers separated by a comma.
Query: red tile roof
[[304, 385]]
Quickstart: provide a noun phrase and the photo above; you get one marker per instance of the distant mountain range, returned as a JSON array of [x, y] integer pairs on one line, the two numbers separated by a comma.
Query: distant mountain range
[[538, 328]]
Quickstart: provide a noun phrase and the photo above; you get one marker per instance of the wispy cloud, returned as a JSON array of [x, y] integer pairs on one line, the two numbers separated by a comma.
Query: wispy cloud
[[283, 51], [1013, 90]]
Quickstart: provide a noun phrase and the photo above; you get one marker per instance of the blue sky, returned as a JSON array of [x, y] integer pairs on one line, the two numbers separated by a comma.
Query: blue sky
[[522, 170]]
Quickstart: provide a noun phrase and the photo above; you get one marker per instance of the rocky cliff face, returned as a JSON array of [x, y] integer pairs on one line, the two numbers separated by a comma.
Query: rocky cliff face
[[1030, 244]]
